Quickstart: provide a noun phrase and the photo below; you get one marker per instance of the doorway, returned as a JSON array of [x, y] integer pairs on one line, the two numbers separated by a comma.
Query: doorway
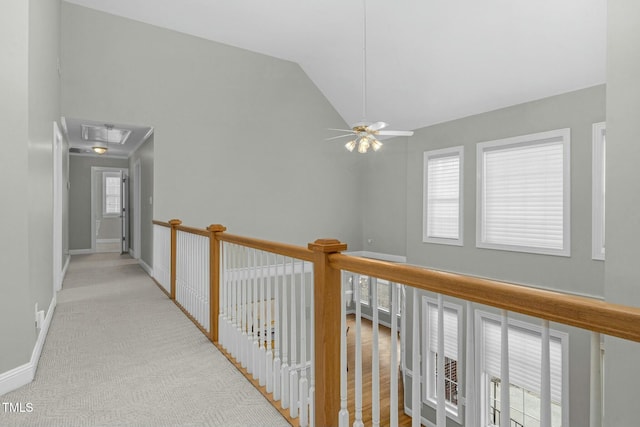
[[57, 208], [109, 209]]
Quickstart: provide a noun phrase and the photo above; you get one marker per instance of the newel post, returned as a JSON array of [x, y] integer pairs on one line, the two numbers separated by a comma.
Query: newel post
[[173, 223], [327, 297], [214, 273]]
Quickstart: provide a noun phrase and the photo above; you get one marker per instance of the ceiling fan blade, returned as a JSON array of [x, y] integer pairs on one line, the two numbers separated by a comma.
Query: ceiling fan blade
[[339, 136], [377, 126], [342, 130], [395, 133]]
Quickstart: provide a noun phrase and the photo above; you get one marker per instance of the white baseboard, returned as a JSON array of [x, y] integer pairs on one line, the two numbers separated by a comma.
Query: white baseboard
[[378, 256], [145, 267], [133, 254], [80, 251], [24, 374]]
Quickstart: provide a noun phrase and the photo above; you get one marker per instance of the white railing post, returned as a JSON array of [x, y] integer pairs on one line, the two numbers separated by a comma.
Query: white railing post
[[393, 392], [545, 381], [441, 412], [343, 417], [304, 385], [416, 399], [595, 395], [505, 401], [293, 373], [255, 301], [358, 384], [312, 346], [262, 345], [375, 357], [470, 392], [268, 367], [284, 369], [277, 380]]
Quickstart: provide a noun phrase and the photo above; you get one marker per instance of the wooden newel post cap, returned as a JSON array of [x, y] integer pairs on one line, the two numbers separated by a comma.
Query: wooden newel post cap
[[327, 246], [173, 222], [216, 228]]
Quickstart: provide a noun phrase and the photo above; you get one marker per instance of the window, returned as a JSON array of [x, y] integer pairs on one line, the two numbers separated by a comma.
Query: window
[[523, 193], [111, 193], [452, 374], [363, 281], [442, 211], [525, 356], [598, 189]]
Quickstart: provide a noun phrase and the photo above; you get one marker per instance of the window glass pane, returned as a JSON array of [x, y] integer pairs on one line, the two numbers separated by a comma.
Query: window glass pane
[[364, 290], [384, 295], [443, 184]]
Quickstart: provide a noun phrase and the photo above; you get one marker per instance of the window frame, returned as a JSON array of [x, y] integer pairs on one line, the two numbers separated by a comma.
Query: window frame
[[562, 136], [440, 153], [429, 385], [598, 178], [484, 378], [105, 176]]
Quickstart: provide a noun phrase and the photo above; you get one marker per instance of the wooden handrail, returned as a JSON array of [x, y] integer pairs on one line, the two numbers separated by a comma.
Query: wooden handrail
[[293, 251], [161, 223], [599, 316], [193, 230]]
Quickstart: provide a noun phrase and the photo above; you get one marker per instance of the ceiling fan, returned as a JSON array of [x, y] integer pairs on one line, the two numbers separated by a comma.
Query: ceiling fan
[[364, 133]]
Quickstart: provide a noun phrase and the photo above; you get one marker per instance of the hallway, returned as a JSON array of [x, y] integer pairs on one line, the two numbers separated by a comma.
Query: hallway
[[120, 353]]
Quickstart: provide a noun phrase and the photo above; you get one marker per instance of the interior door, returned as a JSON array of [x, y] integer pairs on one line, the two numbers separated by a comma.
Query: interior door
[[124, 215]]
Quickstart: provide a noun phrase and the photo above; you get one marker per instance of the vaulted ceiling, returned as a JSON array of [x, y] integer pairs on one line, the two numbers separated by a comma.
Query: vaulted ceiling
[[428, 61]]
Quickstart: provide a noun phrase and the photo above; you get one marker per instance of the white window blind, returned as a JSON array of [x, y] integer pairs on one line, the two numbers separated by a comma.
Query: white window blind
[[442, 196], [525, 357], [523, 193], [450, 330]]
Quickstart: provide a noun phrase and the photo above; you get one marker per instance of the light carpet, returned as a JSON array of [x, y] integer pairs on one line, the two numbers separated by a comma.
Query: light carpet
[[120, 353]]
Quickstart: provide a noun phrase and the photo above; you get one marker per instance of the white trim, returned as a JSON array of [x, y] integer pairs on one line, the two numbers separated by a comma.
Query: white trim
[[445, 152], [57, 207], [563, 135], [116, 240], [378, 256], [24, 374], [145, 267], [81, 251], [137, 207], [598, 168], [64, 269], [142, 141], [96, 156]]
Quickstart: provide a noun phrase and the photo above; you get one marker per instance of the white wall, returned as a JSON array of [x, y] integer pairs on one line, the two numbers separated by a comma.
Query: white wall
[[239, 136]]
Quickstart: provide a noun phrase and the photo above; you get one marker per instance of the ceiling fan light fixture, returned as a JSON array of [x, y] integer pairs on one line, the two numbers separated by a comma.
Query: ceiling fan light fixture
[[351, 145], [363, 146], [376, 145], [99, 149]]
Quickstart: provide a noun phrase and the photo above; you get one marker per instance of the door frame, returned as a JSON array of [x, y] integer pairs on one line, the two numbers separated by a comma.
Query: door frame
[[57, 207], [137, 206], [94, 171]]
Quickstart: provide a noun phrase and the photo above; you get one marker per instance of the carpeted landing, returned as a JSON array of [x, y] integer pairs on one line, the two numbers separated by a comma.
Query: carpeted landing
[[120, 353]]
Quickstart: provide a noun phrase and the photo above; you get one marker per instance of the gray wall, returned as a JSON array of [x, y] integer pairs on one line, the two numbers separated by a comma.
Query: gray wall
[[384, 189], [623, 202], [80, 196], [29, 41], [144, 154], [239, 136], [578, 273]]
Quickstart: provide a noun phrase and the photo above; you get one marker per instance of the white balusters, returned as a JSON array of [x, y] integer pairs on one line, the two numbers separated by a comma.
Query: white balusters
[[263, 326], [255, 324], [192, 275], [505, 401], [277, 380], [393, 392], [375, 358], [162, 256], [416, 400], [545, 381], [358, 410], [595, 395], [268, 337], [441, 413], [343, 416], [304, 384], [284, 369], [293, 373], [470, 393]]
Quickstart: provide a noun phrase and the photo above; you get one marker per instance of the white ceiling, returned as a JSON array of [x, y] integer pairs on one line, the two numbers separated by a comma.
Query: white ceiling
[[429, 61]]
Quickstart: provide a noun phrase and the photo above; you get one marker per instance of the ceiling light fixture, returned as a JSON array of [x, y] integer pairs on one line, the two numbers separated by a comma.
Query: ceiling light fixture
[[366, 133], [101, 149]]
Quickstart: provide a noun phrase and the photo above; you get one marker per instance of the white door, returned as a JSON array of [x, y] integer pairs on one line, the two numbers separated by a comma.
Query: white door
[[124, 216]]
